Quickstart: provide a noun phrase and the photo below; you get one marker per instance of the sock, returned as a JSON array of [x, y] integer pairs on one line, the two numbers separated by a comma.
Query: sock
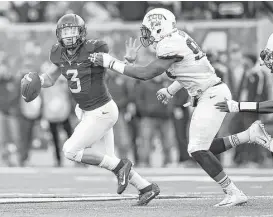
[[226, 184], [236, 139], [137, 181], [111, 163]]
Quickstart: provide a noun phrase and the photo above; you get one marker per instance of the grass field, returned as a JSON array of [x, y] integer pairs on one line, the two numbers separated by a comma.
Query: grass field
[[65, 192]]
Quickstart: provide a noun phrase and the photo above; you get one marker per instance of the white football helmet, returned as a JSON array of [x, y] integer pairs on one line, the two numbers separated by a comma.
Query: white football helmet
[[156, 24]]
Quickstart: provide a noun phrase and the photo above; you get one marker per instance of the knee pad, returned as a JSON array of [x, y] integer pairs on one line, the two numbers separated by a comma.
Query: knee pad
[[72, 154]]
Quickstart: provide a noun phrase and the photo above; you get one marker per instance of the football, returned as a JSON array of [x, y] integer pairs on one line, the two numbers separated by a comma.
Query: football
[[30, 86]]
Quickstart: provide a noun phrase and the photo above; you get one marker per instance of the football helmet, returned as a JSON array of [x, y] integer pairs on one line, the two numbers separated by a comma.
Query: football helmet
[[71, 31], [157, 23]]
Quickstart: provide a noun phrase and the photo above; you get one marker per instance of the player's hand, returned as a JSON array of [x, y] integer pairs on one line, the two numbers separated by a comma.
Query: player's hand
[[131, 50], [164, 96], [78, 112], [101, 59], [228, 106]]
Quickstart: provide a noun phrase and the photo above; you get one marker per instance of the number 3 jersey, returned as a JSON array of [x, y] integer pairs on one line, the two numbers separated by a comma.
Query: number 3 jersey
[[194, 72], [86, 81]]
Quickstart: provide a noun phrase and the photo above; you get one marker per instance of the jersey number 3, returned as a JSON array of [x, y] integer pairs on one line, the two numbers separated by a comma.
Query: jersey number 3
[[75, 80]]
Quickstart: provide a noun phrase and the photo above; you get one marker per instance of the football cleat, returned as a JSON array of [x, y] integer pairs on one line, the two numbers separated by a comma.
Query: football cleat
[[258, 135], [123, 175], [234, 197], [147, 194]]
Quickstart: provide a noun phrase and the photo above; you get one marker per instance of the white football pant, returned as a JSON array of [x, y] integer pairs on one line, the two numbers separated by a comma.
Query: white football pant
[[95, 130], [206, 119]]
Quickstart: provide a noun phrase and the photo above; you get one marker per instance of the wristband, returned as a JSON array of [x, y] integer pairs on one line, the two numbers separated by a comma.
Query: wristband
[[169, 92], [248, 106], [117, 66]]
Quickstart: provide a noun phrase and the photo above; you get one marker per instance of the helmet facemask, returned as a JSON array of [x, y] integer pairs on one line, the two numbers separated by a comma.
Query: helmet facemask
[[70, 36], [146, 39]]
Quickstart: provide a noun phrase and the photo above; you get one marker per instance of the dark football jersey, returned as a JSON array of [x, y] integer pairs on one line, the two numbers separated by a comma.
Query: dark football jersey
[[86, 81]]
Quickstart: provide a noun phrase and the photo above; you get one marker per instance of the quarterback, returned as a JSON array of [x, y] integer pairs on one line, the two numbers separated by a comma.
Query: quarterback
[[93, 140], [183, 61]]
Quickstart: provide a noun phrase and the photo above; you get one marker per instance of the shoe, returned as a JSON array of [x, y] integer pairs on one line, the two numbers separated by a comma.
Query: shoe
[[258, 135], [147, 194], [123, 175], [235, 197]]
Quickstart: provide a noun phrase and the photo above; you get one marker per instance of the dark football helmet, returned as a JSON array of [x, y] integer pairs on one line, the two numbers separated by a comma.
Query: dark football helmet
[[71, 31]]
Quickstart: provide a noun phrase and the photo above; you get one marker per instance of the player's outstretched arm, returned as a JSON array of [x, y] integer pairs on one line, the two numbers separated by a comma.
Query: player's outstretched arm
[[233, 106], [153, 69]]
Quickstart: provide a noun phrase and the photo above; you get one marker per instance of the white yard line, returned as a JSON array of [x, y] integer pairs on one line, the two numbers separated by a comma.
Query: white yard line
[[145, 171], [110, 198], [181, 178]]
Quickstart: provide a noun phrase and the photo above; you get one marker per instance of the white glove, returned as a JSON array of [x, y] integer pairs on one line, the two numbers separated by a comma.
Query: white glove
[[164, 96], [101, 59], [233, 106], [228, 106], [78, 112]]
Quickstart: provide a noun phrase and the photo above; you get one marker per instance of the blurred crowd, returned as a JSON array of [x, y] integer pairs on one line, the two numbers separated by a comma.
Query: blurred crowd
[[103, 11], [145, 126]]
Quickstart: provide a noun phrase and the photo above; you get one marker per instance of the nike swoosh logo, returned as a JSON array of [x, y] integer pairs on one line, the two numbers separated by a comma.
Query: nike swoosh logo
[[152, 194], [123, 181], [212, 97], [105, 113], [79, 63]]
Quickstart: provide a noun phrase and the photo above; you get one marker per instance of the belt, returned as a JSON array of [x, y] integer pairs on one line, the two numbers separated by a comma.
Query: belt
[[221, 82]]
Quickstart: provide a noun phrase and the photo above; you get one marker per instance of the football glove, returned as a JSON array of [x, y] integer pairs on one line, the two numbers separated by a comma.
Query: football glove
[[228, 106], [164, 96]]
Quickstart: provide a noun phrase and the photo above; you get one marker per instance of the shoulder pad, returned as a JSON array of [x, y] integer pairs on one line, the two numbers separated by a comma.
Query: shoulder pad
[[167, 48], [54, 48], [55, 53], [96, 46]]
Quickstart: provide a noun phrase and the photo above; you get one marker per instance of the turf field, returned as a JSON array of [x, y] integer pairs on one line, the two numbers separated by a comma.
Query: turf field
[[72, 192]]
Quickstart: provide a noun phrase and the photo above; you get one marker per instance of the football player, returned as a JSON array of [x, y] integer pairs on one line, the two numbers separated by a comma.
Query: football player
[[260, 107], [92, 141], [184, 61]]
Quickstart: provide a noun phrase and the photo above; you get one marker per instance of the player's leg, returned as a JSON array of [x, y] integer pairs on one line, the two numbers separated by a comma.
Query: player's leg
[[55, 137], [205, 123], [147, 190], [94, 125], [256, 133]]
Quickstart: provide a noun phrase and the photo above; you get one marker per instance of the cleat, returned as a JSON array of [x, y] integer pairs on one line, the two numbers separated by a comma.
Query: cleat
[[234, 197], [258, 135], [146, 196], [123, 176]]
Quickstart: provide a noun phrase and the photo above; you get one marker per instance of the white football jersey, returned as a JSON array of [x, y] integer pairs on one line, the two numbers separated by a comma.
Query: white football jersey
[[194, 72]]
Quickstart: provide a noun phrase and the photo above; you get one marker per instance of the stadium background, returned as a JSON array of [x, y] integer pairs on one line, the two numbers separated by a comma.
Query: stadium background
[[232, 34]]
